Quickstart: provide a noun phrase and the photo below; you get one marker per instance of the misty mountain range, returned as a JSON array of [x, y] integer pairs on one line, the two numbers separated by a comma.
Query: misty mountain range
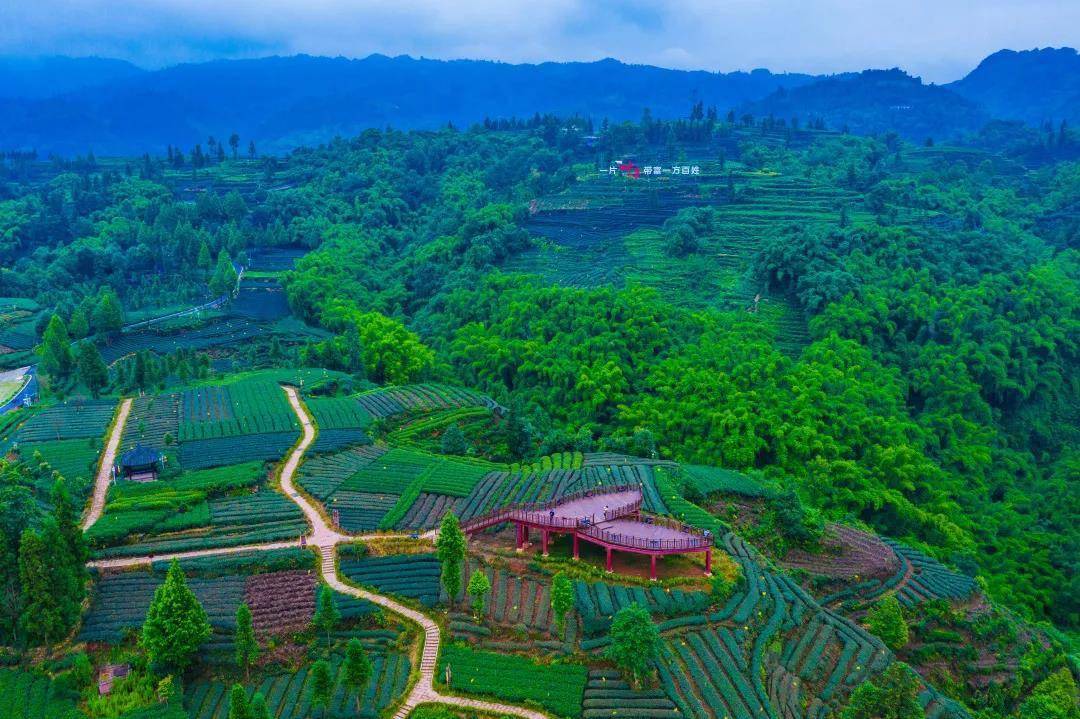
[[74, 105]]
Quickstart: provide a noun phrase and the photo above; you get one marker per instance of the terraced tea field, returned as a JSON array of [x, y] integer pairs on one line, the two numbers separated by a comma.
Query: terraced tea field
[[18, 331], [119, 600], [410, 575], [607, 231], [77, 419], [515, 600], [69, 436], [376, 487], [223, 506], [556, 687], [608, 695], [388, 401], [244, 420], [288, 695], [215, 332]]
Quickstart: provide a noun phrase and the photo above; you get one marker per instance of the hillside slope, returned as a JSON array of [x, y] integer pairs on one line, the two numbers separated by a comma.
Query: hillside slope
[[35, 78], [1034, 85], [876, 101]]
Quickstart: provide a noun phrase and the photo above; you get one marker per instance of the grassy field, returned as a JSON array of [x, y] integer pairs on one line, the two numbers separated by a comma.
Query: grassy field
[[8, 388]]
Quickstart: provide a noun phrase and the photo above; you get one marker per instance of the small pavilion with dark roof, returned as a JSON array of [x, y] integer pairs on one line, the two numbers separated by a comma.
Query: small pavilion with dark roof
[[140, 464]]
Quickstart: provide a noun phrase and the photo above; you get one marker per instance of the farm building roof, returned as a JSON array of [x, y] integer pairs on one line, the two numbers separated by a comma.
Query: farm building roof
[[140, 456]]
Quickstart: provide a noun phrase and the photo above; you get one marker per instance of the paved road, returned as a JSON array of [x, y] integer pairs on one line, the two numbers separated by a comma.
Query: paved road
[[29, 388], [108, 459], [324, 539]]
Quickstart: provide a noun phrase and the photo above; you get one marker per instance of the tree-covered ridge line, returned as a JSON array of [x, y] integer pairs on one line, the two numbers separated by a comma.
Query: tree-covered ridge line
[[946, 425], [285, 101]]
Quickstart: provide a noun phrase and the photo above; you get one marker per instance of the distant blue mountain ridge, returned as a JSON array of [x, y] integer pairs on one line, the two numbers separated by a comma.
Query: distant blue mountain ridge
[[74, 105]]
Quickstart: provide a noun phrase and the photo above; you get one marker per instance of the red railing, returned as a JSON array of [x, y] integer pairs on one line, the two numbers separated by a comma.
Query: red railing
[[583, 493], [624, 510], [700, 539], [623, 540], [539, 512]]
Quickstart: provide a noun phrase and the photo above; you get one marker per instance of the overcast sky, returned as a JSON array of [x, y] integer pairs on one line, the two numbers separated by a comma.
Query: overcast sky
[[939, 40]]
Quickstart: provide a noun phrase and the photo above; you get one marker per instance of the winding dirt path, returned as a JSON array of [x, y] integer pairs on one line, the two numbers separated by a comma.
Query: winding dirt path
[[108, 459], [324, 539], [127, 562], [322, 534]]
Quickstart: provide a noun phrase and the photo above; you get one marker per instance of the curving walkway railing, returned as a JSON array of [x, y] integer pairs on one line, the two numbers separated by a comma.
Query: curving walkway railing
[[621, 539], [539, 512]]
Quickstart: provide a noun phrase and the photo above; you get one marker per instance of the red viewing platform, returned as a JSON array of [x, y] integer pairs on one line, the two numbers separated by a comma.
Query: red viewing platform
[[610, 517]]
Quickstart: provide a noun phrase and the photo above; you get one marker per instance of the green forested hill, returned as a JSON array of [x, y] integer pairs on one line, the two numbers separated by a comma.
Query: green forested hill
[[890, 329]]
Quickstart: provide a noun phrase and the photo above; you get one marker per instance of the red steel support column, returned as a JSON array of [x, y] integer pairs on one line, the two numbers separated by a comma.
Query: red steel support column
[[517, 528], [544, 541], [708, 562], [524, 534], [575, 546], [609, 559], [652, 567]]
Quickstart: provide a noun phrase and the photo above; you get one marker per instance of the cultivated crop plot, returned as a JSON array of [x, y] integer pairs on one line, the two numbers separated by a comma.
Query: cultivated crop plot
[[274, 259], [410, 575], [422, 397], [607, 694], [853, 555], [498, 489], [609, 231], [121, 602], [374, 487], [428, 510], [162, 339], [281, 602], [547, 478], [68, 436], [341, 422], [712, 480], [516, 601], [288, 695], [246, 407], [153, 419], [77, 419], [278, 586], [245, 420], [596, 603], [260, 299], [18, 333], [225, 506], [769, 645], [557, 688], [924, 578]]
